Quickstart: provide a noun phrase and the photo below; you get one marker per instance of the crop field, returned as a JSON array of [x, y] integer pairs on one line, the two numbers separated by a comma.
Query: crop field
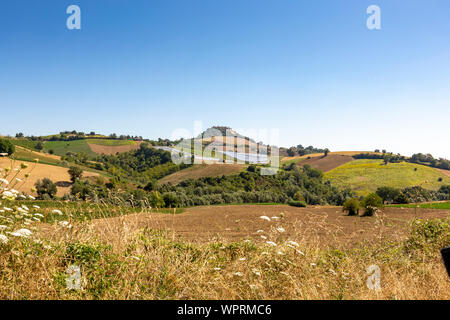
[[38, 171], [366, 176], [203, 170], [103, 146], [24, 154], [62, 147]]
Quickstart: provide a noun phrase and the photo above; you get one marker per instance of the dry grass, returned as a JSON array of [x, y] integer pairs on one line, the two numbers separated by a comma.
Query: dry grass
[[135, 262], [37, 171]]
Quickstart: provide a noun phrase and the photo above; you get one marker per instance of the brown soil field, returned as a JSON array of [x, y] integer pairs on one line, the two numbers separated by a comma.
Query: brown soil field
[[201, 171], [58, 175], [111, 150], [327, 163], [321, 226]]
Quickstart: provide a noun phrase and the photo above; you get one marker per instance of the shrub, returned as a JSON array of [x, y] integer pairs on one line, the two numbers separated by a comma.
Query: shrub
[[352, 206], [371, 203], [45, 188], [171, 199], [75, 173], [156, 200], [387, 193], [300, 204], [401, 198], [6, 147]]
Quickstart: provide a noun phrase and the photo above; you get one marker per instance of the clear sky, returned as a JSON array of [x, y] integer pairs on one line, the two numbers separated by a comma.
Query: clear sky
[[311, 69]]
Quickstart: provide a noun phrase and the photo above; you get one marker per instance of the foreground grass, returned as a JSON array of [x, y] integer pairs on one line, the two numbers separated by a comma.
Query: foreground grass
[[151, 264], [365, 176]]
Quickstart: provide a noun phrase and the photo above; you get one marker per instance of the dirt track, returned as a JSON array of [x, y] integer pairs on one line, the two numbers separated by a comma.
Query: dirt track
[[321, 225]]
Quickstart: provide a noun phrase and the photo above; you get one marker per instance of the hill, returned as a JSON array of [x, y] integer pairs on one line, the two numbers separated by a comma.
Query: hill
[[202, 171], [364, 176]]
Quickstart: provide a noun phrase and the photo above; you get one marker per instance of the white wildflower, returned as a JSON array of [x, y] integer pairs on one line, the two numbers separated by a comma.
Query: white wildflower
[[3, 239], [271, 243], [21, 233], [265, 218], [57, 212], [281, 229]]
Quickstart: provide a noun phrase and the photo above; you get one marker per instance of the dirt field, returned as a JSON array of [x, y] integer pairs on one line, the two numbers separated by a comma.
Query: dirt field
[[318, 225], [327, 163], [312, 155], [58, 175], [201, 171], [113, 149]]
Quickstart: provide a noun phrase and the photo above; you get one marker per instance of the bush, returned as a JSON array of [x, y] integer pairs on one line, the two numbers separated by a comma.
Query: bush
[[352, 206], [388, 194], [75, 173], [401, 198], [300, 204], [45, 189], [6, 147], [371, 203], [171, 199]]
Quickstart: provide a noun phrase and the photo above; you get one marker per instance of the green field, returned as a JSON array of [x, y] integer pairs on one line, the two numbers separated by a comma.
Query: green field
[[25, 143], [62, 147], [433, 205], [112, 143], [26, 155], [365, 176]]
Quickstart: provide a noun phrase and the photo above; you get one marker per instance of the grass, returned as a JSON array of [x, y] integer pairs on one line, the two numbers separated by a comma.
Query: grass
[[25, 143], [23, 154], [151, 264], [365, 176], [112, 143], [432, 205], [61, 148]]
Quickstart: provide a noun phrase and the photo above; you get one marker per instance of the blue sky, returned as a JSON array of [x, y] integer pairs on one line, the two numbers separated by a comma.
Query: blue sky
[[308, 68]]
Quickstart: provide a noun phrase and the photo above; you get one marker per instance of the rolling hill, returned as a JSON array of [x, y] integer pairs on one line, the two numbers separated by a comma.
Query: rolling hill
[[364, 176]]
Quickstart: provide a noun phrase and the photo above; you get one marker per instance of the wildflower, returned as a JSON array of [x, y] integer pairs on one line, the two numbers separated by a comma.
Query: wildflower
[[25, 233], [7, 209], [275, 218], [57, 212], [284, 273], [39, 215], [4, 181], [265, 218], [65, 224], [217, 269], [25, 207], [263, 237], [256, 272], [281, 229], [271, 243], [3, 227], [19, 180], [36, 207], [3, 239], [259, 231], [238, 274], [32, 198], [23, 197], [242, 259], [293, 243]]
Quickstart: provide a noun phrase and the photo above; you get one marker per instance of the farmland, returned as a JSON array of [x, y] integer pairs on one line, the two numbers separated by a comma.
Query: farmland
[[366, 176]]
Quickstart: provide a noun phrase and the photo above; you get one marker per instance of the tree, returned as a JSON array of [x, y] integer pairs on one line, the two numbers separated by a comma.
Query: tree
[[352, 206], [75, 173], [45, 189], [19, 135], [7, 147], [326, 151], [388, 194], [371, 203], [39, 146], [401, 198], [156, 201]]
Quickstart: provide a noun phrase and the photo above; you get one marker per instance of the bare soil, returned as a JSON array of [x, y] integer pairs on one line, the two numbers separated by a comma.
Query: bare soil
[[327, 163]]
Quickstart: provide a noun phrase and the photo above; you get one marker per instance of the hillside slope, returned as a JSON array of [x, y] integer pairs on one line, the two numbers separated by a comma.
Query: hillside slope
[[364, 176]]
